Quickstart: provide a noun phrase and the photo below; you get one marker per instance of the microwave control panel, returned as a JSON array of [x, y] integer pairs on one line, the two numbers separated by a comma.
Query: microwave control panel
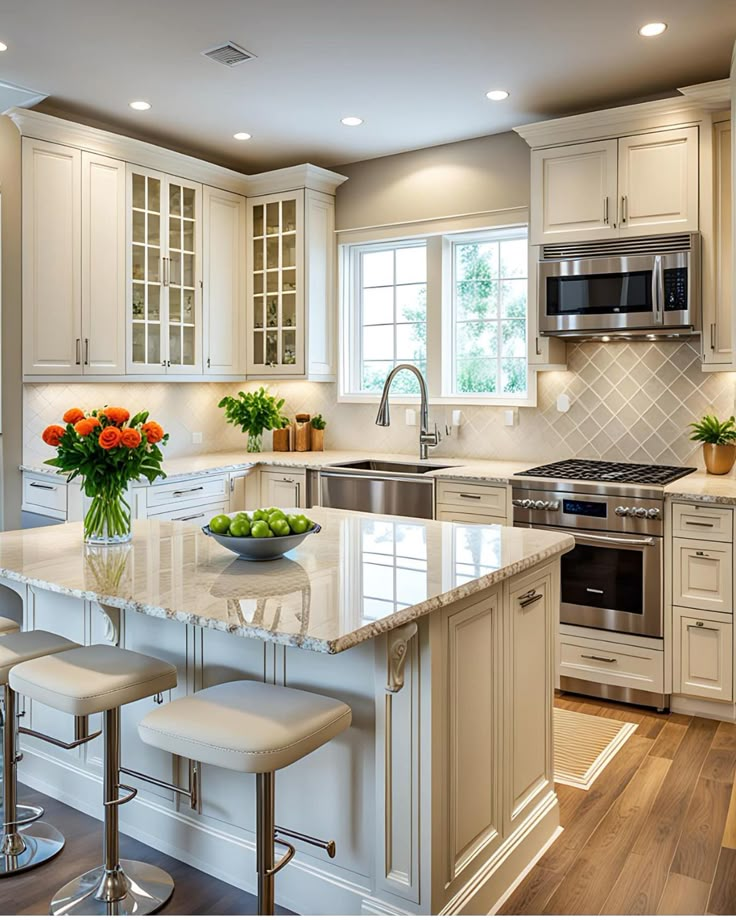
[[675, 288]]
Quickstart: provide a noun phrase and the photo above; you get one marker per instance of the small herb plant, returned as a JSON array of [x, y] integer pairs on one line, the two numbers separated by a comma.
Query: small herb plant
[[710, 430], [253, 413], [319, 423]]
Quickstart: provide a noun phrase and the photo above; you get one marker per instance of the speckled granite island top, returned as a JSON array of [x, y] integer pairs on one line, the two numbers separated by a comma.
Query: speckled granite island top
[[361, 576]]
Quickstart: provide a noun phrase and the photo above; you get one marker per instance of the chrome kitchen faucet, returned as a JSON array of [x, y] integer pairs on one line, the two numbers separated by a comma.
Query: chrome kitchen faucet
[[427, 438]]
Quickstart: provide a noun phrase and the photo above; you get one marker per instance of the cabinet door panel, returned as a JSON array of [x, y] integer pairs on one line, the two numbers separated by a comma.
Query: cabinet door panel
[[282, 490], [223, 277], [103, 264], [704, 653], [182, 226], [718, 310], [573, 192], [658, 182], [52, 314], [702, 575]]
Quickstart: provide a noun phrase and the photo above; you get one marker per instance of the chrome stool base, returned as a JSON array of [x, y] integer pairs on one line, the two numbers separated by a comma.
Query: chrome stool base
[[24, 814], [133, 889], [28, 848]]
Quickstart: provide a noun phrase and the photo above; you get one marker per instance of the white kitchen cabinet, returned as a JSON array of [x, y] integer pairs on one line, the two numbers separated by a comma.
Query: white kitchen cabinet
[[658, 182], [291, 281], [164, 302], [628, 186], [718, 312], [283, 488], [702, 575], [472, 502], [223, 281], [52, 268], [703, 655], [573, 192]]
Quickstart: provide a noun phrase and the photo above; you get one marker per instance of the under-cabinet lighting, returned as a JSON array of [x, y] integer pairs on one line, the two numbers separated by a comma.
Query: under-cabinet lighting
[[650, 29]]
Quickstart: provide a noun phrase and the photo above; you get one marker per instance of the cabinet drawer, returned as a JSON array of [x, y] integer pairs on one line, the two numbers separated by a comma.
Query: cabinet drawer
[[198, 515], [187, 492], [45, 494], [703, 655], [702, 522], [612, 663], [448, 513], [473, 496], [702, 575]]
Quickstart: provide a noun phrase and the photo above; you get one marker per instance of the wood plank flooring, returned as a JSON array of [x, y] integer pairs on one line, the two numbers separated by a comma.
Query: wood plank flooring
[[195, 893], [656, 833]]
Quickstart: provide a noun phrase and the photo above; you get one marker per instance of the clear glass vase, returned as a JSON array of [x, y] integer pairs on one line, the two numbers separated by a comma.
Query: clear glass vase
[[255, 443], [108, 519]]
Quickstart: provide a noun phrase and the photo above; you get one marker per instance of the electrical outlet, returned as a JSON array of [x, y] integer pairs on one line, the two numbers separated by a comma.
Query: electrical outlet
[[196, 437], [410, 417], [509, 417], [563, 402]]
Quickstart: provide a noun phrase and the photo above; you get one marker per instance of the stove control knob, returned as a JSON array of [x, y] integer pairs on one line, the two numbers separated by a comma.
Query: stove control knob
[[517, 503], [541, 506], [640, 512], [653, 513], [527, 503], [554, 506], [621, 511]]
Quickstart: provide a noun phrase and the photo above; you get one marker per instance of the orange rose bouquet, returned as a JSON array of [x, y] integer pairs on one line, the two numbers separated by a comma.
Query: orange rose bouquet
[[108, 449]]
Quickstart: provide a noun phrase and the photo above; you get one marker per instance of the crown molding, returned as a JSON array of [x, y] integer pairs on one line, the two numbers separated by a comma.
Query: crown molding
[[61, 131], [691, 106]]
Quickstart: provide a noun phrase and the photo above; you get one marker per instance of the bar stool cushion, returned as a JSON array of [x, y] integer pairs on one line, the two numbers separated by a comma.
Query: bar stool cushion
[[18, 647], [92, 678], [8, 626], [246, 725]]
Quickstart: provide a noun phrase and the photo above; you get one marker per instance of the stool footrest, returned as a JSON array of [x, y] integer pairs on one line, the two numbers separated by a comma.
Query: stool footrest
[[192, 793], [66, 745], [124, 799], [327, 845], [285, 859]]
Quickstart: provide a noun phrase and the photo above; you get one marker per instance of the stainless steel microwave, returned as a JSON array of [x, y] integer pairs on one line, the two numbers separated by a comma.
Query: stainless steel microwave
[[648, 285]]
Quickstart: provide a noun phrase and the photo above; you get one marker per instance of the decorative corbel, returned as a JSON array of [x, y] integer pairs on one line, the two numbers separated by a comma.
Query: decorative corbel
[[111, 623], [398, 647]]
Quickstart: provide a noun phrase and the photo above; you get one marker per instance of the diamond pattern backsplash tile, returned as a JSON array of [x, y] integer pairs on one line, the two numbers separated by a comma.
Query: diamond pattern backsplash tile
[[629, 401]]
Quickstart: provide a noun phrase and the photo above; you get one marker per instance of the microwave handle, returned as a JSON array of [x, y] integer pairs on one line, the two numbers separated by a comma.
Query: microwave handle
[[658, 291]]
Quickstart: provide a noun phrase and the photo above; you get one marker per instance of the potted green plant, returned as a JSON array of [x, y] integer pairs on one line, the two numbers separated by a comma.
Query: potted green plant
[[253, 413], [318, 432], [719, 450]]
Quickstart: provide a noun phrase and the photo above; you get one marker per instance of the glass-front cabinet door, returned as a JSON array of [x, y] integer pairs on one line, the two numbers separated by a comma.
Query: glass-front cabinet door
[[275, 288], [164, 289]]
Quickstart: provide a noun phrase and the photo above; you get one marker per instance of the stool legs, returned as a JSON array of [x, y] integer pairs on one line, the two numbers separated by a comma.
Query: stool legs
[[265, 832], [119, 887], [21, 848]]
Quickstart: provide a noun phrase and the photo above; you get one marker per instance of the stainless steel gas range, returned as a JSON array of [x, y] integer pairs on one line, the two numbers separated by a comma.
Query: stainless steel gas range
[[613, 579]]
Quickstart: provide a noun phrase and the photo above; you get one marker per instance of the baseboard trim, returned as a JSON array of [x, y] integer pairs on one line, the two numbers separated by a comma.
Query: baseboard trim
[[706, 709]]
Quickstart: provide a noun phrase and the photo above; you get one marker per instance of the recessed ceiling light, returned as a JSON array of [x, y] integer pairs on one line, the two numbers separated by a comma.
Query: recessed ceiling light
[[242, 136], [352, 121], [652, 28], [3, 46], [497, 95], [140, 105]]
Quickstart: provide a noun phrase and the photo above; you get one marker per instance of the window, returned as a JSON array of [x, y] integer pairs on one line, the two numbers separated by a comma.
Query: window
[[489, 306], [392, 304], [454, 305]]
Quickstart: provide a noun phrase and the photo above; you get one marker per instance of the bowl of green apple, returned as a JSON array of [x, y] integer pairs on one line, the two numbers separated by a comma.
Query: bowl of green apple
[[261, 535]]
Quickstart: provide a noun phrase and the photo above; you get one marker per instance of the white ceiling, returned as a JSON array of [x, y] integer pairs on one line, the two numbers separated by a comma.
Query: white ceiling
[[415, 70]]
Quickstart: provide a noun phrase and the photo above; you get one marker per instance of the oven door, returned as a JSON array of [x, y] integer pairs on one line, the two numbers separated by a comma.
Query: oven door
[[612, 581]]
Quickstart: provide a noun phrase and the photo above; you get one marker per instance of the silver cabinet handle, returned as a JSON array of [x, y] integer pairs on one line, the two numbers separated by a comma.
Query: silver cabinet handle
[[286, 479], [190, 517], [594, 591], [537, 349], [187, 491], [703, 555], [165, 271], [624, 209], [531, 597], [86, 352], [611, 541], [700, 625], [700, 524], [298, 495], [40, 485], [470, 495], [605, 210], [600, 658], [78, 347], [712, 336]]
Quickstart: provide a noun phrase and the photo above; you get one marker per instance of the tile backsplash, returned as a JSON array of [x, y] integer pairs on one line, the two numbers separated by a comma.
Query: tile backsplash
[[628, 401]]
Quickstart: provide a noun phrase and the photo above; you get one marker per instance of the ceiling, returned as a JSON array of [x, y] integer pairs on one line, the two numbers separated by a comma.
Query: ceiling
[[415, 70]]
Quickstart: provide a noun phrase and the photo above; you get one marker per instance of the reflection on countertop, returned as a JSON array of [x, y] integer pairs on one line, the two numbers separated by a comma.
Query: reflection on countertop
[[361, 576]]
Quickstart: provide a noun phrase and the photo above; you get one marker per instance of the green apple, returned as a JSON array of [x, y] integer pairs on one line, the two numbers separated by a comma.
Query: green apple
[[276, 516], [220, 523], [260, 529], [260, 515], [280, 527], [240, 527], [300, 524]]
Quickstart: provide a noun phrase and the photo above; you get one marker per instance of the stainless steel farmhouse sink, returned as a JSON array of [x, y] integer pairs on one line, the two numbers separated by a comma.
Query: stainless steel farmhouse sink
[[380, 487]]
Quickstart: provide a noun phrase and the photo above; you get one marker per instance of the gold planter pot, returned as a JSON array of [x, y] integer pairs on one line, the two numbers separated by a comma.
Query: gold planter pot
[[719, 458]]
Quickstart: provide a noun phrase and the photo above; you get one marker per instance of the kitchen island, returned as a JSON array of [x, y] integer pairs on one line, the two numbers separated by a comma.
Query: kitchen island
[[438, 635]]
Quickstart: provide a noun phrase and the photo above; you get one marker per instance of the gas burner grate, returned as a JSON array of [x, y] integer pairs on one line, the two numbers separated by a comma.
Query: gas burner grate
[[601, 471]]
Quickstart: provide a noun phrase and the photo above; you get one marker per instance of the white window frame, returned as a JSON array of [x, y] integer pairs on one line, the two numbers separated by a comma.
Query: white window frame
[[438, 236]]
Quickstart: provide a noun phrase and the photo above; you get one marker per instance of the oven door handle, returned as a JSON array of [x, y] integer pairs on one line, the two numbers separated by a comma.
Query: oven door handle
[[658, 291], [613, 541]]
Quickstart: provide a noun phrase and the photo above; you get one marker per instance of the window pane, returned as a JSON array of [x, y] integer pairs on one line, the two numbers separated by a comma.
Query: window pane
[[476, 375], [476, 340], [477, 300], [378, 343], [513, 375], [514, 258], [374, 375], [411, 264], [476, 261], [378, 268], [411, 341], [411, 303], [513, 338], [378, 305], [406, 382], [513, 298]]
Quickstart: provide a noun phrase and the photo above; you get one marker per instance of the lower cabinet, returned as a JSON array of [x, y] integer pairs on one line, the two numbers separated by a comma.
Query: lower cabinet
[[472, 503], [703, 575], [703, 655], [284, 488]]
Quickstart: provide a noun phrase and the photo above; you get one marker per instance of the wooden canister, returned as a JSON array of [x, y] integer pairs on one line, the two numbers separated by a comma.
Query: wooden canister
[[318, 439], [302, 432], [282, 438]]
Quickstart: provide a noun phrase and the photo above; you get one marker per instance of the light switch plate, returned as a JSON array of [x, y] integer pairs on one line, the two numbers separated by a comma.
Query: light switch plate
[[509, 417], [410, 417]]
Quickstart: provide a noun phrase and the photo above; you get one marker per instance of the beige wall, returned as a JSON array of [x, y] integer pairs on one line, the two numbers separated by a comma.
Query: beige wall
[[482, 174], [12, 397]]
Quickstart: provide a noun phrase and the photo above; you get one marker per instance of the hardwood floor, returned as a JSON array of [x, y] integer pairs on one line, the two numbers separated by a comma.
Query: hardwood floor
[[656, 833], [195, 893]]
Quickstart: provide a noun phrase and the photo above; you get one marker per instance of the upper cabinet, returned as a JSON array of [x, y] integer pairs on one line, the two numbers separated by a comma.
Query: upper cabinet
[[627, 186], [291, 285], [718, 311]]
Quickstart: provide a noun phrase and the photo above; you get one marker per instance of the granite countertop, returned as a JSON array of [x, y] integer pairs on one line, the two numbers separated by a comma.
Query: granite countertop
[[704, 487], [361, 576]]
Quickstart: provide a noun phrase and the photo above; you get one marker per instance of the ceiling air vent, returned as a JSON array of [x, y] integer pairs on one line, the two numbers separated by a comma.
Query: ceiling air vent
[[228, 54]]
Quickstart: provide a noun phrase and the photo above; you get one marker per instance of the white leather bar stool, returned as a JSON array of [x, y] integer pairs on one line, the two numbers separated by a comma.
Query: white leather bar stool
[[83, 681], [251, 727], [23, 846]]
